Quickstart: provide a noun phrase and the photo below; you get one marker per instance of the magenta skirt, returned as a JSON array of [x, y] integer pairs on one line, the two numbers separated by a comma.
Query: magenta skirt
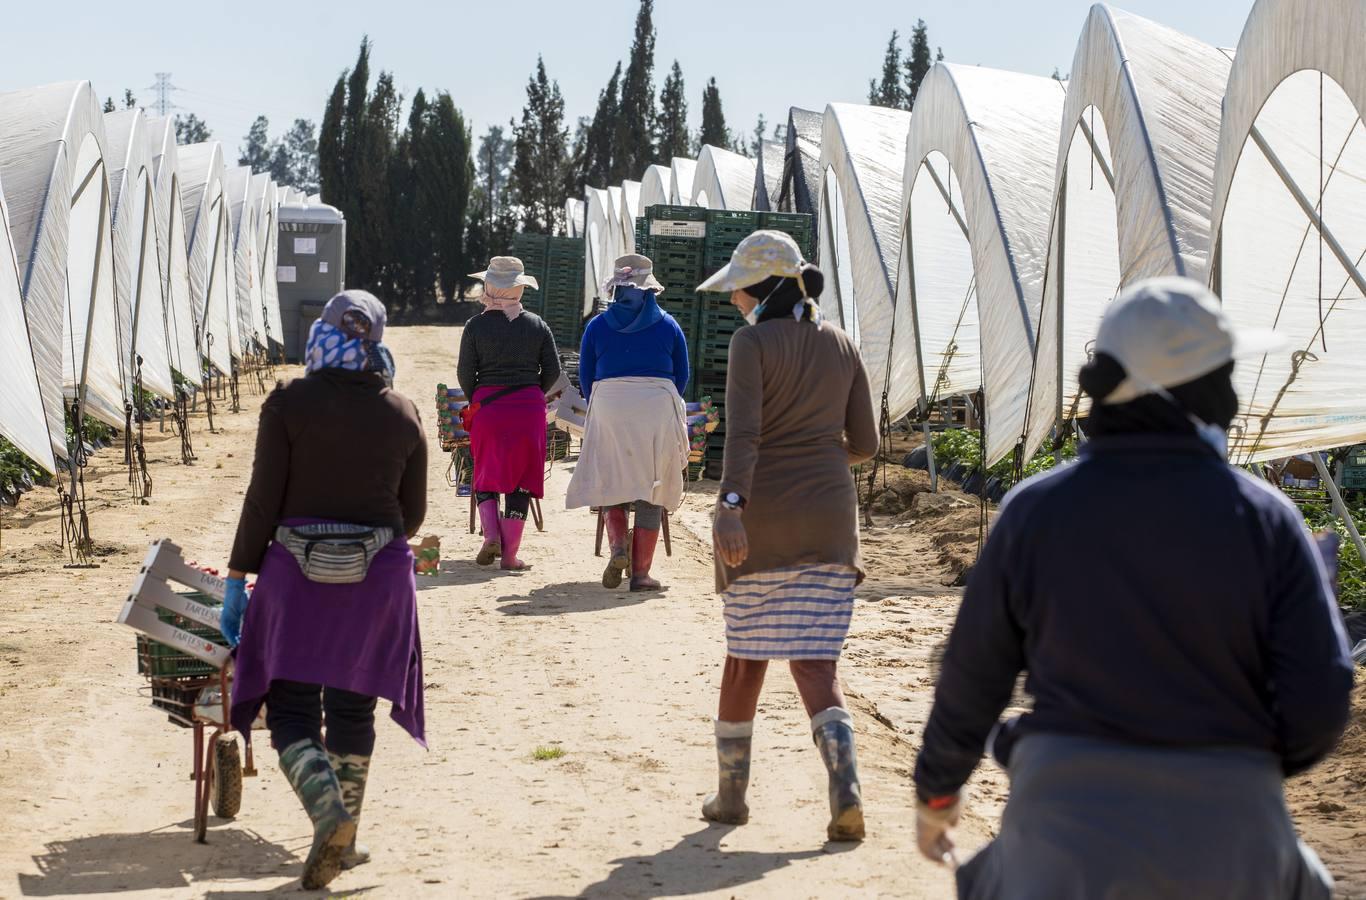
[[507, 441]]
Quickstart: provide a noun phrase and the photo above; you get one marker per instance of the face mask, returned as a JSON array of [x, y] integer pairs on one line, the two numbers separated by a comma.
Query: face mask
[[752, 317]]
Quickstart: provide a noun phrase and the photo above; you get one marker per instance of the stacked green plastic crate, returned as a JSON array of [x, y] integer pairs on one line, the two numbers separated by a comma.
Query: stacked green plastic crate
[[531, 250], [557, 265]]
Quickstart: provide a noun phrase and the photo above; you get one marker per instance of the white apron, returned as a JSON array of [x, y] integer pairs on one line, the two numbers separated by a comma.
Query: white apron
[[635, 445]]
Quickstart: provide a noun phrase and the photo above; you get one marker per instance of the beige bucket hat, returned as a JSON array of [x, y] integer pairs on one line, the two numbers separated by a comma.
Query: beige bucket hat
[[633, 270], [506, 272], [760, 256]]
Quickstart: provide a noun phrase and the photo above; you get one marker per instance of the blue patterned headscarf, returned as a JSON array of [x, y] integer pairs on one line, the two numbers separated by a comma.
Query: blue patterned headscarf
[[346, 336]]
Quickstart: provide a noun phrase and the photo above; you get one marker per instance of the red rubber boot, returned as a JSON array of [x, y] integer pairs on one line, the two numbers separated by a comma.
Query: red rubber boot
[[643, 542], [616, 540]]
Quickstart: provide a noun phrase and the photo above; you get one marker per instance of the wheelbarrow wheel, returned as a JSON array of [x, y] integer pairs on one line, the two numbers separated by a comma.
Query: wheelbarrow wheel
[[226, 794]]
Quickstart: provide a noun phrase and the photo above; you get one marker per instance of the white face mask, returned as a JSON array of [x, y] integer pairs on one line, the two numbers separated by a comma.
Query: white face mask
[[752, 317]]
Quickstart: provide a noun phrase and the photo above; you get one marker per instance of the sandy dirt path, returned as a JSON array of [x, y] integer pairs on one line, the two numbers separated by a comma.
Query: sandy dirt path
[[94, 789], [95, 797]]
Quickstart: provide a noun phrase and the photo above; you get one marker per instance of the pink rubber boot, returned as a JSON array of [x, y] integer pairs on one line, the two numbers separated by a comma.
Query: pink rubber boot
[[511, 530], [488, 521], [615, 521]]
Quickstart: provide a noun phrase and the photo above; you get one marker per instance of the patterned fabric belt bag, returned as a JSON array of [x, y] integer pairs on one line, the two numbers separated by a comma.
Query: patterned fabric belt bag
[[332, 553]]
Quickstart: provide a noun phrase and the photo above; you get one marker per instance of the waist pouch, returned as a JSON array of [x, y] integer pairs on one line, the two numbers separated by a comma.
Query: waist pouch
[[332, 553]]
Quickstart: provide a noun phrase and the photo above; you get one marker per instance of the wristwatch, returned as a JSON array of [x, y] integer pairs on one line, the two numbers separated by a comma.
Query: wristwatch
[[732, 500]]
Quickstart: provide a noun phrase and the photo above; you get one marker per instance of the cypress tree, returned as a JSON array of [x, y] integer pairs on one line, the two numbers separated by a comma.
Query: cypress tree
[[540, 165], [889, 92], [598, 165], [446, 174], [714, 130], [373, 250], [635, 120], [256, 151], [671, 128], [918, 66], [331, 176]]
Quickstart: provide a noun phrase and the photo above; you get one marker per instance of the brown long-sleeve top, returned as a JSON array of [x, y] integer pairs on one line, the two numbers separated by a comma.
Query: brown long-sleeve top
[[333, 445], [799, 413]]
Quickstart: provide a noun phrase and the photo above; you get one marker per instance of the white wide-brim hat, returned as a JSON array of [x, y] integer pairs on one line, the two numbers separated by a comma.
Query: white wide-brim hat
[[1170, 331], [760, 256], [506, 272], [634, 270]]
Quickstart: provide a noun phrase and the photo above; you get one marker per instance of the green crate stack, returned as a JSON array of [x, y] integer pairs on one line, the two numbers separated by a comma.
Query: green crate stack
[[531, 250], [676, 213], [799, 225], [563, 289], [726, 228]]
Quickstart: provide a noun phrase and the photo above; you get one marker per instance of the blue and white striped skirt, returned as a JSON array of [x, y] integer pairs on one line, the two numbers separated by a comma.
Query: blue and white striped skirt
[[799, 612]]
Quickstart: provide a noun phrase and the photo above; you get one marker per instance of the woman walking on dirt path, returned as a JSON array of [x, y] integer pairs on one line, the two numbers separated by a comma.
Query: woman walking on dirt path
[[339, 480], [507, 364], [633, 368], [1179, 633], [799, 413]]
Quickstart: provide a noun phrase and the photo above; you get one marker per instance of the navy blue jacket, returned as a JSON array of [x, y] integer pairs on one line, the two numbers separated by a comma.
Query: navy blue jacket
[[1155, 595], [660, 351]]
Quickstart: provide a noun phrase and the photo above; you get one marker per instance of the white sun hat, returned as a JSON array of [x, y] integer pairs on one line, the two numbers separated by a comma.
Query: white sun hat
[[760, 256], [506, 272], [1170, 331], [633, 270]]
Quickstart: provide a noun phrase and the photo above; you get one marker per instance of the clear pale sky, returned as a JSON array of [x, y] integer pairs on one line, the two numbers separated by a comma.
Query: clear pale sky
[[236, 61]]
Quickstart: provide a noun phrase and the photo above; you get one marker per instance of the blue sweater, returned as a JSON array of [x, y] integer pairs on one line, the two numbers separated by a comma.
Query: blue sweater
[[1155, 596], [660, 351]]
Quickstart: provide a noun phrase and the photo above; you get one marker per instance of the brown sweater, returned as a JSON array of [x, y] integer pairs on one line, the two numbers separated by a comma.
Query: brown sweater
[[333, 445], [798, 414]]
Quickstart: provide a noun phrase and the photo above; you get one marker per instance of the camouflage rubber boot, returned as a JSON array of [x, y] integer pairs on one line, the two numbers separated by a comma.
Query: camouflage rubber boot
[[306, 766], [727, 805], [833, 732], [352, 771]]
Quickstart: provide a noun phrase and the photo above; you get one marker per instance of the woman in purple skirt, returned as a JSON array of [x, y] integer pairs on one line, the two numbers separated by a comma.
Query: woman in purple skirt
[[338, 483], [507, 364]]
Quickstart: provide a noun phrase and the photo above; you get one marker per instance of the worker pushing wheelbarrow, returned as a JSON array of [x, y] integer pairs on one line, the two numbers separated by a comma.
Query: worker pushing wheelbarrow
[[633, 369]]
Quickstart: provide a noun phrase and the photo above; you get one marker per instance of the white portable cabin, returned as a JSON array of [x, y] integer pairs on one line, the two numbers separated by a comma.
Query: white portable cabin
[[265, 198], [630, 209], [1135, 184], [137, 269], [654, 187], [242, 211], [1289, 225], [172, 256], [52, 166], [681, 173], [22, 421], [768, 175], [863, 156], [597, 243], [204, 202], [724, 180], [801, 182], [976, 204]]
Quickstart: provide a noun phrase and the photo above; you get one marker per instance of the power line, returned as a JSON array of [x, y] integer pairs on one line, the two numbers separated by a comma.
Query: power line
[[163, 88]]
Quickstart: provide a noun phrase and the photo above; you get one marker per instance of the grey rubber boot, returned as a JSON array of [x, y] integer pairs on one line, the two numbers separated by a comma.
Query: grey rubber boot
[[833, 732], [352, 771], [727, 805], [306, 766]]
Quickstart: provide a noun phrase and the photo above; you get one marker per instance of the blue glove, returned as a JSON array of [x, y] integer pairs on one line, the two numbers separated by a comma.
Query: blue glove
[[234, 607]]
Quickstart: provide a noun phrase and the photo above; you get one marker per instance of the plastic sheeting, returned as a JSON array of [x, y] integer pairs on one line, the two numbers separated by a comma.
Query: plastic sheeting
[[614, 201], [1298, 81], [574, 211], [1150, 96], [724, 180], [768, 175], [246, 258], [863, 153], [681, 173], [654, 187], [172, 257], [265, 198], [977, 200], [630, 209], [22, 421], [598, 245], [801, 163], [208, 244], [52, 167]]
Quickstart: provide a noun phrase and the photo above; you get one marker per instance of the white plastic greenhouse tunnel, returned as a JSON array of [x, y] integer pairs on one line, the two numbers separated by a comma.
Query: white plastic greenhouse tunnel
[[654, 187], [1289, 218], [626, 216], [681, 173], [614, 205], [1135, 184], [801, 179], [768, 175], [863, 155], [976, 202], [171, 251], [265, 199], [574, 212], [724, 180], [137, 273], [251, 323], [53, 170], [22, 421], [208, 244], [598, 245]]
